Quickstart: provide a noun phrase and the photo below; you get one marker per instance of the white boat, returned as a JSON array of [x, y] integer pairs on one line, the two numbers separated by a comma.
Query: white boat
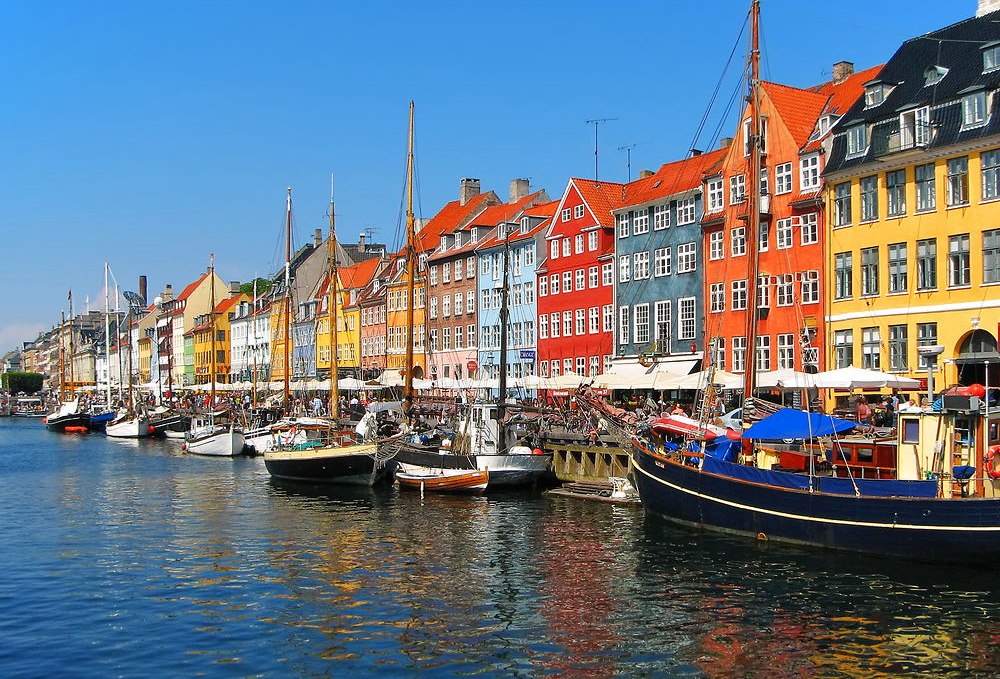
[[125, 427], [214, 440]]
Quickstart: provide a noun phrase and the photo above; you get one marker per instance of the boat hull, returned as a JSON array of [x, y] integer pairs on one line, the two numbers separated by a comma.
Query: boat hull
[[135, 428], [73, 421], [956, 530], [225, 443], [415, 477], [504, 470], [347, 465]]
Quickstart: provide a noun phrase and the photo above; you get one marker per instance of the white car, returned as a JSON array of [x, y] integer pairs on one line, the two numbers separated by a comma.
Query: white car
[[733, 419]]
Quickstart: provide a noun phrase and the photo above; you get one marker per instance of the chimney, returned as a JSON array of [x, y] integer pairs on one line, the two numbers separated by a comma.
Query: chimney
[[842, 70], [168, 293], [234, 287], [645, 173], [987, 6], [318, 237], [361, 242], [725, 142], [142, 287], [519, 188], [695, 153], [468, 189]]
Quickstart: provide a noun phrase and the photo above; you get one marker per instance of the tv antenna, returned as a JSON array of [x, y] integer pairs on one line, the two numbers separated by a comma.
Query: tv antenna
[[596, 122], [628, 158]]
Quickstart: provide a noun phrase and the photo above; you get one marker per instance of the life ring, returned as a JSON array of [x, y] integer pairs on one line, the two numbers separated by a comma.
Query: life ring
[[990, 462]]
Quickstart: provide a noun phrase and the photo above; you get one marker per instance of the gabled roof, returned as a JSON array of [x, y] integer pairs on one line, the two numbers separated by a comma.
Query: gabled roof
[[545, 210], [227, 304], [601, 197], [360, 274], [186, 292], [451, 216], [672, 178], [491, 217], [843, 94], [799, 109]]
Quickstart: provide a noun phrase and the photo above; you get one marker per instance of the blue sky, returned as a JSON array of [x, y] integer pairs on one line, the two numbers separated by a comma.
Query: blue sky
[[152, 134]]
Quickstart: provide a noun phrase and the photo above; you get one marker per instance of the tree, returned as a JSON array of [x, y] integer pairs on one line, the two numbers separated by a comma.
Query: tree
[[16, 382], [263, 287]]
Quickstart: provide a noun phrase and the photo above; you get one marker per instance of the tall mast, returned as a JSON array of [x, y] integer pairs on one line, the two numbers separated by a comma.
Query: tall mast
[[288, 295], [107, 333], [70, 361], [504, 317], [62, 358], [753, 225], [411, 272], [211, 323], [253, 324], [331, 313]]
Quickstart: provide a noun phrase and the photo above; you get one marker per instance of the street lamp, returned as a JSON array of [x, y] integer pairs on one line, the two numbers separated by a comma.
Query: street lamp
[[931, 353]]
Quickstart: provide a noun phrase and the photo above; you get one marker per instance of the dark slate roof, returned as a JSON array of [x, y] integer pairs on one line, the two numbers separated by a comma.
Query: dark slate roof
[[957, 48]]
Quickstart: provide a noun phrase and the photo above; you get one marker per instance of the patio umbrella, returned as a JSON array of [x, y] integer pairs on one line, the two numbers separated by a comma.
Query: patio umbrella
[[862, 378]]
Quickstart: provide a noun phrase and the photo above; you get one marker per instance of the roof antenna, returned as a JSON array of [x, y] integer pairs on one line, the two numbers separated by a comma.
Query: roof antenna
[[628, 158], [596, 123]]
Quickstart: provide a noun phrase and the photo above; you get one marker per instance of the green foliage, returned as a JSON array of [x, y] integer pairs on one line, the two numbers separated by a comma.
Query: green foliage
[[263, 287], [16, 382]]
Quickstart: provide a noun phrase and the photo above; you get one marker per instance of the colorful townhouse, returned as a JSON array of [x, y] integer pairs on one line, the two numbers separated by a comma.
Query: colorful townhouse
[[913, 206], [788, 307], [576, 305], [250, 341], [351, 280], [451, 218], [658, 271], [217, 322], [371, 307], [177, 317], [523, 236]]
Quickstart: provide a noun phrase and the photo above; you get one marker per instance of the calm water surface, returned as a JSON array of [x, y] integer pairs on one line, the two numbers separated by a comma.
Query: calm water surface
[[133, 559]]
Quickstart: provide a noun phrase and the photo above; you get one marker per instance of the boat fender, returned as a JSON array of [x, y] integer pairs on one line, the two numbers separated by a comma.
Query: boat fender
[[151, 429], [537, 451], [990, 462]]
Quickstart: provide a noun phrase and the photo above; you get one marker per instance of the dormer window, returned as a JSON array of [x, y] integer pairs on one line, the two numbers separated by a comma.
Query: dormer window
[[502, 230], [875, 93], [474, 234], [525, 224], [991, 56], [914, 128], [934, 75], [824, 125], [974, 109], [458, 240], [857, 140]]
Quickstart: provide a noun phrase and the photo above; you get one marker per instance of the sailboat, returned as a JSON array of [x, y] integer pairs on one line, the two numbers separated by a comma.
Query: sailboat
[[730, 486], [68, 417], [208, 437], [320, 451], [133, 422]]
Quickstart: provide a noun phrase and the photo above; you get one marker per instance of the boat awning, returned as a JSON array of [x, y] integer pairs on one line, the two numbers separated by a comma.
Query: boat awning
[[789, 423]]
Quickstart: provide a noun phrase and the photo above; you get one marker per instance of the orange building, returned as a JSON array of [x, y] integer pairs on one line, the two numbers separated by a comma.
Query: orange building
[[202, 332]]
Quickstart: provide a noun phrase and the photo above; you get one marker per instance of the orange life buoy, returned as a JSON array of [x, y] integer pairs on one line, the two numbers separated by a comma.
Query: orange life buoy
[[990, 462]]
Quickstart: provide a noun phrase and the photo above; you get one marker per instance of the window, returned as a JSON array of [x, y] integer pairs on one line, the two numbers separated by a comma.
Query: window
[[715, 246], [594, 318], [924, 177], [784, 234], [581, 279], [763, 353], [737, 189], [459, 337], [592, 279], [591, 241], [958, 260], [470, 302], [578, 211], [914, 128], [686, 211], [808, 229], [785, 290], [783, 178], [763, 182], [567, 281], [895, 184], [738, 241], [738, 296], [623, 334], [608, 317], [554, 323], [543, 286], [578, 243], [446, 306], [897, 347], [843, 264], [640, 265], [842, 204], [485, 265], [991, 256], [640, 222], [554, 283], [433, 308], [607, 273], [810, 287], [555, 367], [581, 321], [990, 161], [871, 348], [543, 326], [897, 267], [687, 260], [869, 198], [553, 249], [641, 316], [470, 263], [446, 272], [763, 236], [869, 272], [458, 303], [739, 354], [809, 172], [843, 346], [857, 140], [927, 264], [433, 274], [687, 318], [624, 269], [720, 353], [875, 95], [926, 337], [566, 247], [974, 109], [715, 196], [661, 262], [764, 292], [623, 225], [661, 329], [991, 57], [958, 182], [458, 270], [445, 339], [786, 351], [717, 297], [566, 214], [567, 318]]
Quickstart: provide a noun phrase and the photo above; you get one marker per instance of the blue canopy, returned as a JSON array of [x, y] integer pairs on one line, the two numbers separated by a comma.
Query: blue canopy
[[789, 423]]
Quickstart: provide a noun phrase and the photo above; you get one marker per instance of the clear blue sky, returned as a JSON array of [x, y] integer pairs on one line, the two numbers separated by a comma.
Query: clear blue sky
[[150, 134]]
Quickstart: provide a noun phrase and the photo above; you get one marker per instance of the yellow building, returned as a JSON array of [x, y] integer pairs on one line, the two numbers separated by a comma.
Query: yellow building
[[203, 363], [913, 215], [352, 280]]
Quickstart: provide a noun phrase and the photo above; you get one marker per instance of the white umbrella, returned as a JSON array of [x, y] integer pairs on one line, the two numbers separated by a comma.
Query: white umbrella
[[861, 378], [719, 378], [786, 379], [349, 383]]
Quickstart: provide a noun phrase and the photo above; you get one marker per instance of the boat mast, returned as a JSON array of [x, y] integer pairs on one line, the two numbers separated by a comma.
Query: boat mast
[[253, 324], [753, 225], [288, 295], [211, 322], [411, 272], [107, 333], [62, 358], [331, 313], [504, 318], [71, 376]]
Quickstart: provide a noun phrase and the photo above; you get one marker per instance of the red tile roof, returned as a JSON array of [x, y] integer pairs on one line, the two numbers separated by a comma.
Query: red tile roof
[[601, 197], [799, 109], [543, 210], [844, 94], [186, 292], [671, 178], [226, 304], [449, 217], [360, 274]]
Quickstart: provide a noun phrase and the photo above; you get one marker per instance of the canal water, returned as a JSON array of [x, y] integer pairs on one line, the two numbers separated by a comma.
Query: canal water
[[133, 559]]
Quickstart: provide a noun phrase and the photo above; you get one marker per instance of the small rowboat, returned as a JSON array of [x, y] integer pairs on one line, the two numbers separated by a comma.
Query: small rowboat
[[442, 480]]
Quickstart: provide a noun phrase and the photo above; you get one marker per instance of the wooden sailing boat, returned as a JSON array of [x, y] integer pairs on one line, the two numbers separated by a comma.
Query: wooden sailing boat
[[336, 456], [132, 422], [208, 437], [67, 417]]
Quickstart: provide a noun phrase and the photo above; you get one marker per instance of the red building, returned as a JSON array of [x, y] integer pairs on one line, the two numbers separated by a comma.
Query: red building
[[576, 304]]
